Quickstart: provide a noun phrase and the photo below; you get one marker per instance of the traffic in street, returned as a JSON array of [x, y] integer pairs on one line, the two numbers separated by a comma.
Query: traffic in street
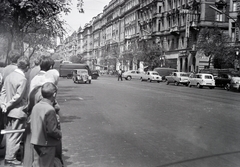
[[111, 123]]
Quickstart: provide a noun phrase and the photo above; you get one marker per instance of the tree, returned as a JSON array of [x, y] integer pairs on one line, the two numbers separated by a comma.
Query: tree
[[26, 19], [149, 54], [76, 59], [215, 44]]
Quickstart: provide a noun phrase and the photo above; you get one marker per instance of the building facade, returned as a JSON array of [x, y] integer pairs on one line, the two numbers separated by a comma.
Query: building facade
[[172, 25]]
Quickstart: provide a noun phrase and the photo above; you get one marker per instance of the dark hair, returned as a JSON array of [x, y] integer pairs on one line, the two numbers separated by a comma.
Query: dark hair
[[23, 63], [46, 63], [14, 55], [48, 89]]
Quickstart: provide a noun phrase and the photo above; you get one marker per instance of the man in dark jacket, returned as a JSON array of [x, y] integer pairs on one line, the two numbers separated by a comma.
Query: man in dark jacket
[[46, 133]]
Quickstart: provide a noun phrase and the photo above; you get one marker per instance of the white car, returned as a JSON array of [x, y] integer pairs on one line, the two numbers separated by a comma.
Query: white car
[[201, 80], [178, 78], [132, 74], [151, 76]]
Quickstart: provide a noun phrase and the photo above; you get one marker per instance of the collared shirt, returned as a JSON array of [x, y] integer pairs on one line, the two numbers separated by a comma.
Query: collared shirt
[[8, 69], [38, 80], [20, 71]]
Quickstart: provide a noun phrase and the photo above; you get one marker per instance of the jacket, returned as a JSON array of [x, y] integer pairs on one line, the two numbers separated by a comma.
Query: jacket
[[44, 124], [13, 94]]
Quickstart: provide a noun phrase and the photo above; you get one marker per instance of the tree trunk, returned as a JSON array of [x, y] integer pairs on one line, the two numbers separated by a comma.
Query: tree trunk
[[209, 61], [10, 43]]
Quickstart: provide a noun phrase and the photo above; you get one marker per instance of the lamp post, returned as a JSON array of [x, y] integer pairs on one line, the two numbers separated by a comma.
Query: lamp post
[[236, 61]]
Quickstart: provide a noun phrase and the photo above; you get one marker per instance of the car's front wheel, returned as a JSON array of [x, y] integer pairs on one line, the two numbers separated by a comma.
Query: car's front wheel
[[176, 83], [129, 78], [198, 85]]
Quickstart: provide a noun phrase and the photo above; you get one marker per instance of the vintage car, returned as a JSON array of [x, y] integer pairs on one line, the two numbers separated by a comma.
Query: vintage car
[[201, 80], [178, 78], [234, 84], [151, 76], [132, 74], [81, 75], [163, 72]]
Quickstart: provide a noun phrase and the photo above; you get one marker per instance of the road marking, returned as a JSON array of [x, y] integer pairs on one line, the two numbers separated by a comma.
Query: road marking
[[80, 98]]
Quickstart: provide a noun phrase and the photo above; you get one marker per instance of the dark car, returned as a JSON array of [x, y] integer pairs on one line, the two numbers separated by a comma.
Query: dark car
[[222, 80], [95, 74]]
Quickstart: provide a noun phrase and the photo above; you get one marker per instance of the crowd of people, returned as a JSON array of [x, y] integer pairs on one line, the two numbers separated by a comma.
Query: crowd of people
[[28, 101]]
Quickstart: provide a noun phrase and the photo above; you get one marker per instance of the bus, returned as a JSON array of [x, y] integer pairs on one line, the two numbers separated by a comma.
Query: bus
[[65, 70]]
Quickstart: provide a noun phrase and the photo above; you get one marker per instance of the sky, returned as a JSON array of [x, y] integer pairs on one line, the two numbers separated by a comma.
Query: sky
[[91, 9]]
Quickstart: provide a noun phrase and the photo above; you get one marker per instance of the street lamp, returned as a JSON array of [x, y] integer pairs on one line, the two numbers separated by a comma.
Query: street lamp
[[236, 61]]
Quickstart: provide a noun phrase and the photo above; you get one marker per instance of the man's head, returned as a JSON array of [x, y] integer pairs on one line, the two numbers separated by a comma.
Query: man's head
[[37, 61], [14, 55], [46, 63], [23, 63], [49, 91]]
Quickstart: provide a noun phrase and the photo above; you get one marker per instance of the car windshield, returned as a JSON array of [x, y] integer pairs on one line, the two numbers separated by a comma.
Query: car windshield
[[208, 77], [154, 73], [82, 72], [184, 75]]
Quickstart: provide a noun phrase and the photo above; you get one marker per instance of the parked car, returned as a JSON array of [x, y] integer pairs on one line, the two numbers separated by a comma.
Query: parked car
[[201, 80], [151, 76], [132, 74], [178, 78], [223, 80], [234, 84], [81, 75], [163, 72], [95, 74]]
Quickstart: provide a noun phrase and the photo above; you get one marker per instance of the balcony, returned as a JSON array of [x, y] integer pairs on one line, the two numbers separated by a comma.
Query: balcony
[[194, 25], [175, 30]]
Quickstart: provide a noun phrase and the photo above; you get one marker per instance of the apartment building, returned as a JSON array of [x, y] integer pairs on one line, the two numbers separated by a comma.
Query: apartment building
[[173, 25]]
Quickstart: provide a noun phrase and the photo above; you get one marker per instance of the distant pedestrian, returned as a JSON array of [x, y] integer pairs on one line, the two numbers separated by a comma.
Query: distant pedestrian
[[120, 74], [13, 99], [46, 134]]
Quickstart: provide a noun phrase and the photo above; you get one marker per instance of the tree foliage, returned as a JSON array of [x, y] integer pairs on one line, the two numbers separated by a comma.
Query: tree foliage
[[76, 59], [149, 54], [215, 44], [32, 20]]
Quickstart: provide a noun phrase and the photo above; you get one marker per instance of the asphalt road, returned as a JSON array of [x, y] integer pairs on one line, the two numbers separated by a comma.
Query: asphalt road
[[112, 123]]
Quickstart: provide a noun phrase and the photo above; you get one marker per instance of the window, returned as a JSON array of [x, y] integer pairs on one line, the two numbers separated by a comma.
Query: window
[[234, 9], [160, 9], [219, 17], [182, 42]]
